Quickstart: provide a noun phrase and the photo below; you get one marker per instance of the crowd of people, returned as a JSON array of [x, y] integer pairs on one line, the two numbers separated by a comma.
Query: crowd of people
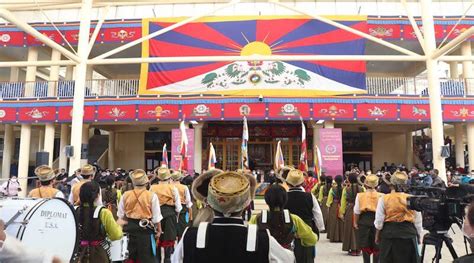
[[171, 216]]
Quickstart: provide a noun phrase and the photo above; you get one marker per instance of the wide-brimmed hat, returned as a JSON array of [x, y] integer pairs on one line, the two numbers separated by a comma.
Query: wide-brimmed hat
[[45, 173], [200, 185], [88, 169], [176, 175], [386, 178], [162, 173], [230, 192], [282, 173], [139, 177], [399, 178], [371, 181], [295, 177]]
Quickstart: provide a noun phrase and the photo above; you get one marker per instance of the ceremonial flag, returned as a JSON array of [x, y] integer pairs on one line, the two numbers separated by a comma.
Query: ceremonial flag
[[304, 155], [279, 159], [212, 157], [317, 161], [245, 139], [183, 166], [164, 157]]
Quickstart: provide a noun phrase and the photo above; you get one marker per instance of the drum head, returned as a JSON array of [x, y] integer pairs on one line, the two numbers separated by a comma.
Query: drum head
[[51, 228]]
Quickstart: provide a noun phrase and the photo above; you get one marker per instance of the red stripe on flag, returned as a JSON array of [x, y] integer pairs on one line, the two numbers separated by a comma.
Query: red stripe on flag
[[166, 49], [267, 34], [203, 32]]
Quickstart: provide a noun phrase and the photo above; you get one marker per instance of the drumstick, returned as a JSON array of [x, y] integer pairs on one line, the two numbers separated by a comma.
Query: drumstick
[[18, 213]]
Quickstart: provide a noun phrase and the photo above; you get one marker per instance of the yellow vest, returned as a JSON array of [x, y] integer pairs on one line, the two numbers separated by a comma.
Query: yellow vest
[[182, 192], [137, 204], [396, 209], [164, 193], [76, 189], [368, 201], [43, 192]]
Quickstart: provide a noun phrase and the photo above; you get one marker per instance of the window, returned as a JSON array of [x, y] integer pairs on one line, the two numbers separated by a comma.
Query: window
[[154, 141]]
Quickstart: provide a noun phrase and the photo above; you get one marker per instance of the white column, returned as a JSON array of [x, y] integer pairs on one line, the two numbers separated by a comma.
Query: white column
[[63, 141], [329, 124], [79, 87], [409, 149], [433, 88], [54, 74], [69, 72], [459, 144], [198, 147], [24, 158], [31, 72], [85, 142], [8, 148], [470, 144], [453, 70], [467, 69], [111, 152], [14, 74], [49, 142]]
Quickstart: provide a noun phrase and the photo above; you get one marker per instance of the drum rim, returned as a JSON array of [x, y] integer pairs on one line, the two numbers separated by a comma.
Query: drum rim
[[36, 207], [28, 216]]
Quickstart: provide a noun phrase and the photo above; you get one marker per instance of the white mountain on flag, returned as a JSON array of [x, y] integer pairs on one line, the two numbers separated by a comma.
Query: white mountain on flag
[[268, 75]]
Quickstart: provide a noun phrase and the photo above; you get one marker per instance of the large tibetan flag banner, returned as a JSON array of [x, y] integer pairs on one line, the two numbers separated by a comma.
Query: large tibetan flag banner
[[247, 36]]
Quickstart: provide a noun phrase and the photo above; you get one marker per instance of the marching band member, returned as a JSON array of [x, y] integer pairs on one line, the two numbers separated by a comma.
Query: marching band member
[[283, 225], [398, 228], [349, 241], [95, 224], [364, 216], [46, 177], [205, 212], [323, 198], [170, 202], [186, 201], [335, 223], [87, 172], [227, 239], [139, 209], [317, 187], [307, 208]]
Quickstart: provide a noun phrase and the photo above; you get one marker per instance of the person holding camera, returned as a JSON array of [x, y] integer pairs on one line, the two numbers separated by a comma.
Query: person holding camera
[[468, 231], [398, 227]]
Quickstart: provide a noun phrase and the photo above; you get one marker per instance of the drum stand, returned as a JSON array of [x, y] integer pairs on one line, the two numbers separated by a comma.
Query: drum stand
[[437, 240]]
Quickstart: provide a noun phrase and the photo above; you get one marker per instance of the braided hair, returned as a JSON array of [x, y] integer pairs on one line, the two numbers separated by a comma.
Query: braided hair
[[327, 187], [354, 186], [88, 194], [338, 192]]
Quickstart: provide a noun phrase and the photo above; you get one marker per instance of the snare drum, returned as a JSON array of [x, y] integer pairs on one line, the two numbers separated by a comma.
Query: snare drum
[[119, 249], [47, 225]]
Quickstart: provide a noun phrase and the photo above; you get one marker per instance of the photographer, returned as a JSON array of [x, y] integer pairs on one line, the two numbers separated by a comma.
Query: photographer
[[398, 228], [437, 181]]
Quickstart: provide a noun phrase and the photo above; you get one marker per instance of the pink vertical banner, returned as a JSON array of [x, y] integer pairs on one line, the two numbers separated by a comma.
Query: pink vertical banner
[[330, 141], [175, 149]]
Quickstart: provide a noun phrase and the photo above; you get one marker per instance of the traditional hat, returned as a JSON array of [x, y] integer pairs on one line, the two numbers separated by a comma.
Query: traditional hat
[[139, 177], [200, 184], [371, 181], [45, 173], [282, 173], [230, 192], [295, 177], [386, 178], [399, 178], [176, 175], [88, 170], [162, 173]]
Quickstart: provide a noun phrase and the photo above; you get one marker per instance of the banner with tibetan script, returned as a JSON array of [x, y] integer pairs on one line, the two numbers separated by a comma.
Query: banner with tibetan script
[[330, 141], [247, 36], [176, 149]]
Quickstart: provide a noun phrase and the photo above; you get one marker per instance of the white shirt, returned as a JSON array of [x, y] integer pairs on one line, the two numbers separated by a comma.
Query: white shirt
[[177, 200], [380, 218], [276, 253], [10, 188], [71, 196], [357, 205], [13, 251], [155, 210], [187, 195]]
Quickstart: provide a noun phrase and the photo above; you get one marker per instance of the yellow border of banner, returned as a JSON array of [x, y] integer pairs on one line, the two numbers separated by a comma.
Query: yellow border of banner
[[246, 92]]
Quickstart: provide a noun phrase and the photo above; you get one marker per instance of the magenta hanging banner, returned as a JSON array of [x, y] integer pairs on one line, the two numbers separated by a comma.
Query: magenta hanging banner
[[176, 151], [330, 141]]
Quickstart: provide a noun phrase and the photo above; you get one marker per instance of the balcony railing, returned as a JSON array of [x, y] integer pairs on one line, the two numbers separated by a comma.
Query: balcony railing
[[129, 87]]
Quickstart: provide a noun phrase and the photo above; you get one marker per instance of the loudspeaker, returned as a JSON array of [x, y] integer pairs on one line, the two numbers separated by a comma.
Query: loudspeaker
[[69, 150], [445, 152], [42, 158]]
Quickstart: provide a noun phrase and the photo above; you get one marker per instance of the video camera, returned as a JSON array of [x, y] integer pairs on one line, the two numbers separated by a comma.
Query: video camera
[[440, 207]]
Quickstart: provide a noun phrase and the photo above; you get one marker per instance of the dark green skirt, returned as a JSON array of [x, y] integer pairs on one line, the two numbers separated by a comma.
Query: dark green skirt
[[141, 246], [182, 224], [92, 254], [399, 243], [303, 254], [168, 223], [366, 233]]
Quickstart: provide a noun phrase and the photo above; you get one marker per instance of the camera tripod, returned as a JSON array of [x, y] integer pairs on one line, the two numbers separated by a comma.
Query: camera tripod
[[437, 240]]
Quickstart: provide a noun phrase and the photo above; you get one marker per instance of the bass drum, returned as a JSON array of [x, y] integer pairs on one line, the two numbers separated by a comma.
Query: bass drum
[[47, 225]]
